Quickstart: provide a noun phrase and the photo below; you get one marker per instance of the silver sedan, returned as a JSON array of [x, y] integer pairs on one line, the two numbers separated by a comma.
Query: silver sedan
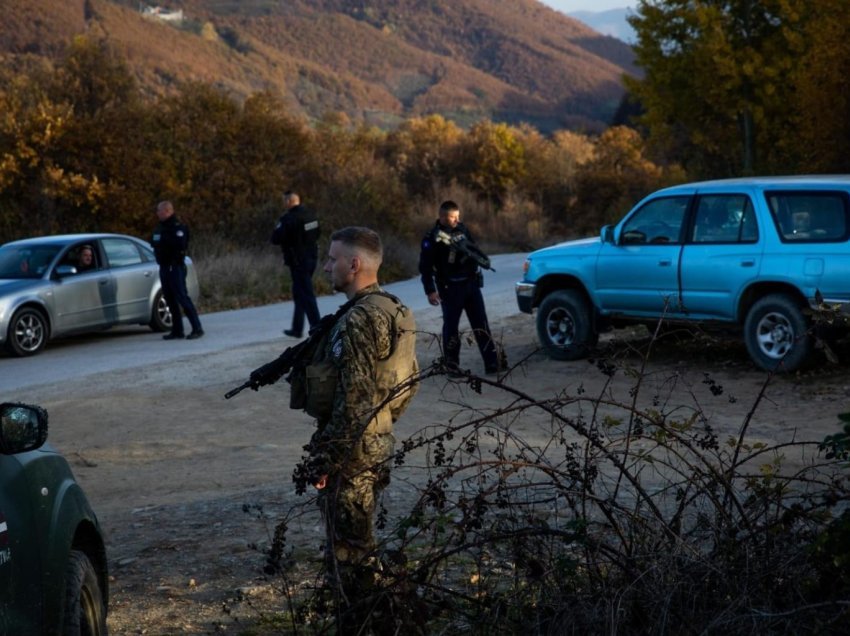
[[53, 286]]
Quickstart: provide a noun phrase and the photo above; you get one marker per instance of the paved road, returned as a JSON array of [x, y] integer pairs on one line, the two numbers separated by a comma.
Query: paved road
[[127, 347]]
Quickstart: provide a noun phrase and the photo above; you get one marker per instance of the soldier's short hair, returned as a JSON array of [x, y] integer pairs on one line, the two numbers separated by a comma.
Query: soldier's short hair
[[364, 240]]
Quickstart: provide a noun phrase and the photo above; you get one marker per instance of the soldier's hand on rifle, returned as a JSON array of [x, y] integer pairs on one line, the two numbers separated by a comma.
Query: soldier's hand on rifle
[[269, 373]]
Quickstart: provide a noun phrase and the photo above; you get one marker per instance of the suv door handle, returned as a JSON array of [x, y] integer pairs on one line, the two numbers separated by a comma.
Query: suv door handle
[[748, 263], [665, 263]]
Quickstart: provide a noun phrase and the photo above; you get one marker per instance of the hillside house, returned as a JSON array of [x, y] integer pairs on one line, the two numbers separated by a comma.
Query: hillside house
[[161, 13]]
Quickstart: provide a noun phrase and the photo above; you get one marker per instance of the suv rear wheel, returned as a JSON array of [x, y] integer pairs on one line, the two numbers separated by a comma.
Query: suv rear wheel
[[565, 325], [776, 333]]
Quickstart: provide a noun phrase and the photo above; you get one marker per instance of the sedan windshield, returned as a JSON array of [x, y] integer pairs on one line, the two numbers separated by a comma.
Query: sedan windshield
[[26, 261]]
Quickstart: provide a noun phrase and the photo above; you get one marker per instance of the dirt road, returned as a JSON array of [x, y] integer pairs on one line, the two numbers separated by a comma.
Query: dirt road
[[189, 486]]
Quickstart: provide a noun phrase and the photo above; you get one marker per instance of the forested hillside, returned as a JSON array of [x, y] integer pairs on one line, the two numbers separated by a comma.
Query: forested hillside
[[378, 62]]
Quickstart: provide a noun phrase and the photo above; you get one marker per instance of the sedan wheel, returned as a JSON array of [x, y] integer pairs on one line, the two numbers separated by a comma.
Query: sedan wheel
[[161, 314], [565, 325], [27, 332], [776, 334]]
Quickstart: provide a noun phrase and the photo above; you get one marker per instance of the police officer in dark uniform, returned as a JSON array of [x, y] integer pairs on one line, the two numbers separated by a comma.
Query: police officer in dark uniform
[[449, 266], [170, 242], [297, 234]]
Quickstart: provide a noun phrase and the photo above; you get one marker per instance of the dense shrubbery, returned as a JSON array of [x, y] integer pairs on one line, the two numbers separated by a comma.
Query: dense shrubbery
[[621, 512]]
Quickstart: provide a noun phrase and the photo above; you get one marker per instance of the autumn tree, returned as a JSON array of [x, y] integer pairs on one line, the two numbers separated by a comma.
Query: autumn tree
[[617, 176], [717, 77], [822, 96], [59, 128], [491, 161], [226, 162], [421, 151], [357, 186]]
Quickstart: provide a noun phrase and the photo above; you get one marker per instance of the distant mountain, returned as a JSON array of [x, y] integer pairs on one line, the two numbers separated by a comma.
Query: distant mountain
[[379, 61], [612, 22]]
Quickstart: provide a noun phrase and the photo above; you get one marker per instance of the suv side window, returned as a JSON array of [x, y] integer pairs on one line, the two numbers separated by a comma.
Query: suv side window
[[726, 218], [659, 221], [809, 217]]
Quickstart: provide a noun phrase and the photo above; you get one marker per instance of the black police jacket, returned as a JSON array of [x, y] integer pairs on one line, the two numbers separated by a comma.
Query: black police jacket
[[170, 242], [443, 262], [297, 233]]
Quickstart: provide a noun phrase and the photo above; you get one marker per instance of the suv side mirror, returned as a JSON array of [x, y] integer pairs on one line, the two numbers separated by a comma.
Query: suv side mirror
[[607, 234], [23, 428]]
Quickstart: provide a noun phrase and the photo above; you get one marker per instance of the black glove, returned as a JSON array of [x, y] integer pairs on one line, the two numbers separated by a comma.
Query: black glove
[[267, 374]]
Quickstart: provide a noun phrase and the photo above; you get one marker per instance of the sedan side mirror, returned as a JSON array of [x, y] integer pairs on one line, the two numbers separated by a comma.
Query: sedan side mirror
[[607, 234], [23, 428], [65, 270]]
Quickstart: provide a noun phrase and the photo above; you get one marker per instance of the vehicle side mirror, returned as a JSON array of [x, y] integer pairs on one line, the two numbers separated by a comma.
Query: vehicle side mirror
[[23, 427], [607, 234], [65, 270]]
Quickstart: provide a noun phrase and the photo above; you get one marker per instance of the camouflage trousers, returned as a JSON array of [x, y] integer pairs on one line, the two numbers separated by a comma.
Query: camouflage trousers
[[348, 504], [353, 565]]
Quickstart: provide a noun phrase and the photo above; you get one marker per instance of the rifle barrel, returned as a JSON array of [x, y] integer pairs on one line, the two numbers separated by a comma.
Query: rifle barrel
[[238, 389]]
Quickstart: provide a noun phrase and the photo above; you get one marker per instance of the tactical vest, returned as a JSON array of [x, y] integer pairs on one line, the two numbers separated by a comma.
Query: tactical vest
[[322, 377]]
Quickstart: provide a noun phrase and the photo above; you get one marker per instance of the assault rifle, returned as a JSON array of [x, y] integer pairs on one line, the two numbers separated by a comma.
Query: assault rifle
[[465, 247], [273, 371], [270, 372]]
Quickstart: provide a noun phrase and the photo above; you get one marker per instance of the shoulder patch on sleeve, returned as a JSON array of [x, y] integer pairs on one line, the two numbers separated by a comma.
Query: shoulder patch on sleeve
[[336, 349]]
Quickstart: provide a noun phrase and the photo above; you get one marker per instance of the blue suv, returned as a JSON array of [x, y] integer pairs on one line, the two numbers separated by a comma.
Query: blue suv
[[753, 253]]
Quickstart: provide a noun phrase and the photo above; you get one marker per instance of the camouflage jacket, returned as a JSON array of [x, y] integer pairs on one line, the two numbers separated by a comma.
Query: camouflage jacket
[[364, 339]]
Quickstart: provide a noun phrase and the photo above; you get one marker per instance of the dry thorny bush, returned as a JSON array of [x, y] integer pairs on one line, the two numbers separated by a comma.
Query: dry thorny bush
[[632, 516]]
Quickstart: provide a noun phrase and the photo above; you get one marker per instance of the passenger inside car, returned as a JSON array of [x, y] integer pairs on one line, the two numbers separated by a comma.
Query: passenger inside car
[[85, 259]]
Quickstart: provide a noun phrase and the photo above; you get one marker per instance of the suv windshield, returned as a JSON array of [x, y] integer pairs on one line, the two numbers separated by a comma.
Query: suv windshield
[[26, 261]]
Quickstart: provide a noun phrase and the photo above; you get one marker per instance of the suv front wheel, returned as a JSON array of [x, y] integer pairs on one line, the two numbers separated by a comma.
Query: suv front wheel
[[565, 325], [776, 333], [85, 610]]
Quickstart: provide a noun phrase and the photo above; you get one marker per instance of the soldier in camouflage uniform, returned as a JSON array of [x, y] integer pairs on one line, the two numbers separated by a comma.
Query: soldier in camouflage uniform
[[352, 390]]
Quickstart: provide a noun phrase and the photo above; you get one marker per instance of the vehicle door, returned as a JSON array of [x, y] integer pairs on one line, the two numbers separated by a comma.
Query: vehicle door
[[721, 257], [20, 558], [134, 276], [637, 273], [82, 298]]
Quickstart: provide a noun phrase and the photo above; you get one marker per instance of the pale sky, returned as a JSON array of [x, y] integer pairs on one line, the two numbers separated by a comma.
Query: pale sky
[[568, 6]]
